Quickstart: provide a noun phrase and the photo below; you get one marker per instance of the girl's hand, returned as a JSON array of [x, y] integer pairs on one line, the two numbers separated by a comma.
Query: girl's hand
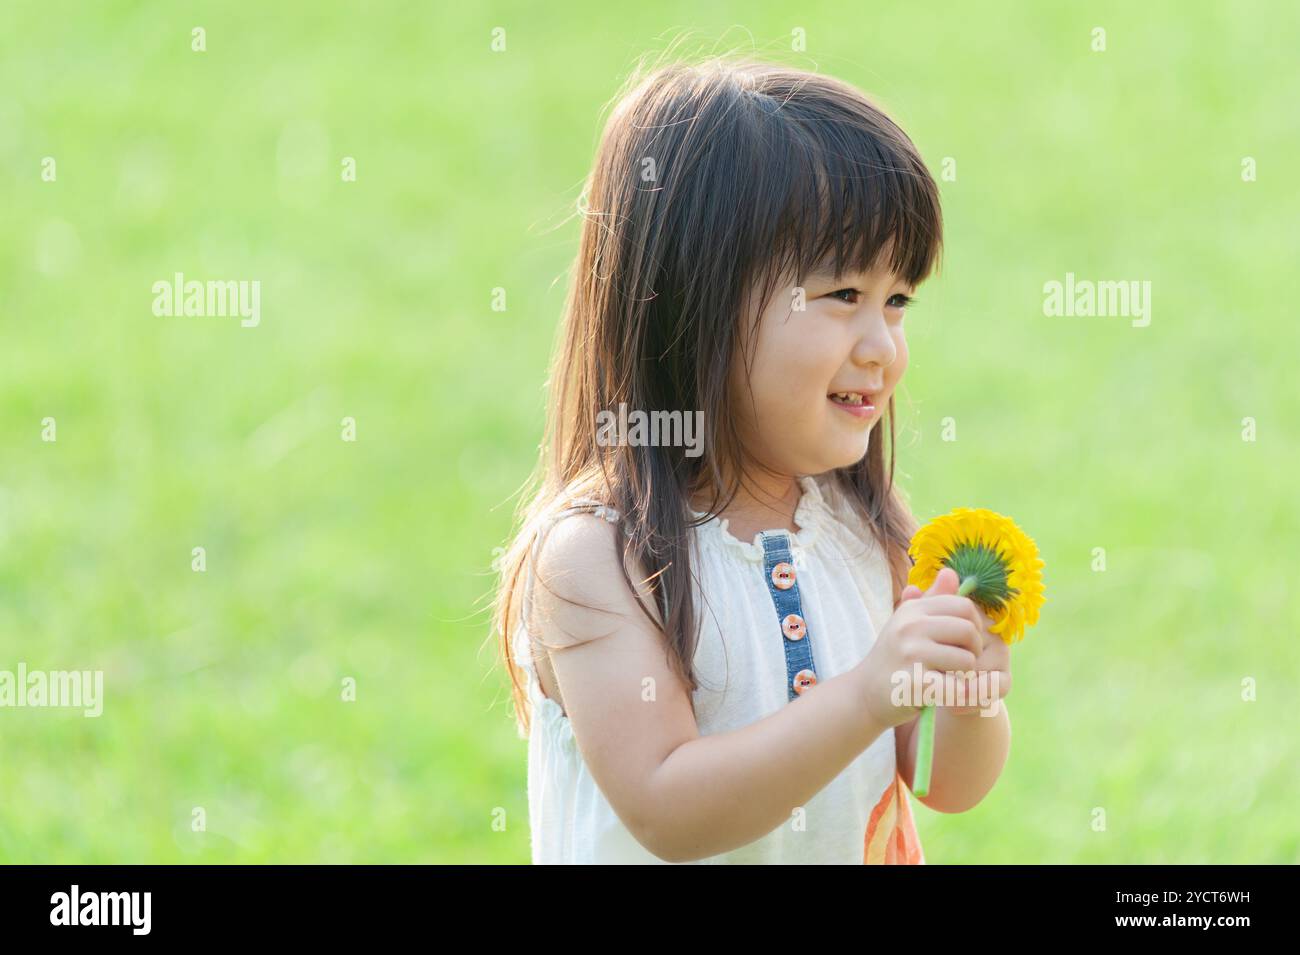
[[942, 632], [995, 661]]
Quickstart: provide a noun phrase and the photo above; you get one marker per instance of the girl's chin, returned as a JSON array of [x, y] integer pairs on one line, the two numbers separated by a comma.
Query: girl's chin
[[844, 454]]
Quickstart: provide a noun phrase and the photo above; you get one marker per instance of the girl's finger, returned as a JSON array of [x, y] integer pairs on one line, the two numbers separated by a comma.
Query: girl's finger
[[996, 682], [945, 582], [955, 632], [954, 606], [945, 658], [975, 692]]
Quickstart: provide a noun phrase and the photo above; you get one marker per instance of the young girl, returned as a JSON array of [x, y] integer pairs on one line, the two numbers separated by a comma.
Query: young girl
[[702, 634]]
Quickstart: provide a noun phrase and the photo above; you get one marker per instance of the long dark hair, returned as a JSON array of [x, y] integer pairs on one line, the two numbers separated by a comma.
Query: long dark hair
[[710, 179]]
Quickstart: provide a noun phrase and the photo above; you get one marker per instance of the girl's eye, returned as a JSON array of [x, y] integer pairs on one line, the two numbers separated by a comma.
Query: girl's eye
[[851, 295]]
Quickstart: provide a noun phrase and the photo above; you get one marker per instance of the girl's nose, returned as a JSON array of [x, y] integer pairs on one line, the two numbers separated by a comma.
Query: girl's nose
[[875, 346]]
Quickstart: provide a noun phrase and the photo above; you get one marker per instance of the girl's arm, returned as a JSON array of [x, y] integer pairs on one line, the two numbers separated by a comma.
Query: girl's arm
[[969, 753], [683, 796]]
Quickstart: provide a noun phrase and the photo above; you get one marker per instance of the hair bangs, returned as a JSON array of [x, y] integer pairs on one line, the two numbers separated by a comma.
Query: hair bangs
[[858, 197]]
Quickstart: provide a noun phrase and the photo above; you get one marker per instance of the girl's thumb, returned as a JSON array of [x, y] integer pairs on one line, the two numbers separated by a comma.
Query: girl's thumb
[[910, 592], [945, 582]]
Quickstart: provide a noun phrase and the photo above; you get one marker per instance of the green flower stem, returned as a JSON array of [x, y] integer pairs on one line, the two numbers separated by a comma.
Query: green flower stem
[[925, 725], [924, 752]]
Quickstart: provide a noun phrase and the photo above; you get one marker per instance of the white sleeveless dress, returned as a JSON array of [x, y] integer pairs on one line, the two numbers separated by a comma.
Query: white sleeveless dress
[[863, 814]]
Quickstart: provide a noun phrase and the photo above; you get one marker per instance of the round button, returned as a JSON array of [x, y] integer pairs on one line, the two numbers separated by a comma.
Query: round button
[[783, 575], [803, 680], [794, 627]]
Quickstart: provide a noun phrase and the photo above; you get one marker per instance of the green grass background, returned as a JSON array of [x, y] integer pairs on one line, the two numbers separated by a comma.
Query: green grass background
[[328, 559]]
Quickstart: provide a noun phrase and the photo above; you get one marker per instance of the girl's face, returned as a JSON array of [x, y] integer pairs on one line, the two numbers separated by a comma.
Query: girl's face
[[847, 341]]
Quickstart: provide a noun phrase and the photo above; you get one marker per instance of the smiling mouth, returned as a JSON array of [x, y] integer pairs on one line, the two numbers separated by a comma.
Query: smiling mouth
[[853, 399]]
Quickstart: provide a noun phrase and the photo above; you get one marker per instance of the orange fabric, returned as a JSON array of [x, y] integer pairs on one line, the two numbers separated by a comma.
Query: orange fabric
[[891, 833]]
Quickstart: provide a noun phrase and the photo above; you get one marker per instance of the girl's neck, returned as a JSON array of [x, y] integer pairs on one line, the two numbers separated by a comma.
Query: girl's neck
[[763, 502]]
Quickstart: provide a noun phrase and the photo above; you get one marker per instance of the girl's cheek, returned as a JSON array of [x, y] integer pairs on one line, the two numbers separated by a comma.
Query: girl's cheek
[[900, 356]]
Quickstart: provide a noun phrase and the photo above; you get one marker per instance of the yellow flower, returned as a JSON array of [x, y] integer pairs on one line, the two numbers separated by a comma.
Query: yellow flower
[[996, 561]]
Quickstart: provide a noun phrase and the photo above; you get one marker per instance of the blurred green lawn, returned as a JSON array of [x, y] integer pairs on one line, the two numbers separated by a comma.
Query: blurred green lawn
[[328, 559]]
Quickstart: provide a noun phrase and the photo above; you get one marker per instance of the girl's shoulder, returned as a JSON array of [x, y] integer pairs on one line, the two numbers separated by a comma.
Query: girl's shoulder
[[578, 574], [579, 498], [562, 537], [575, 540]]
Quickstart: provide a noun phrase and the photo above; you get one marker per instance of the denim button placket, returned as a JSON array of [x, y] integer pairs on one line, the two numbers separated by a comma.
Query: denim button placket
[[783, 586]]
